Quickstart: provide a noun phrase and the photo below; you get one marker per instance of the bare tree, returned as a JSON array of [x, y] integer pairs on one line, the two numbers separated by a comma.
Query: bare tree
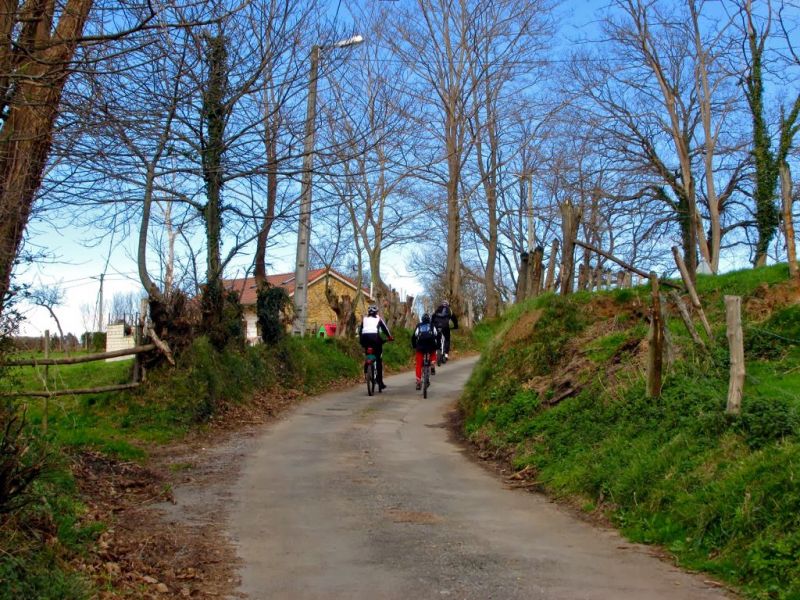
[[49, 298], [368, 122], [124, 307], [433, 40], [664, 106], [507, 38]]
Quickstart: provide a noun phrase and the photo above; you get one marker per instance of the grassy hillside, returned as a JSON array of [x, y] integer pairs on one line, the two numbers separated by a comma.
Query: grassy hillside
[[560, 393]]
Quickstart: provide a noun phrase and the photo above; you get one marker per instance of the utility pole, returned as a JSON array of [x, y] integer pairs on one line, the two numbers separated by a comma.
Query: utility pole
[[531, 230], [304, 228], [100, 304], [526, 201]]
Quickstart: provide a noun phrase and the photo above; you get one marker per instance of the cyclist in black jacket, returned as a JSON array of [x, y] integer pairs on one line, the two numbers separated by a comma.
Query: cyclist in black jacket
[[441, 320]]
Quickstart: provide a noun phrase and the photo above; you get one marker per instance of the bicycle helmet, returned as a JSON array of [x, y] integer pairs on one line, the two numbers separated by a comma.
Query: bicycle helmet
[[426, 318], [372, 310]]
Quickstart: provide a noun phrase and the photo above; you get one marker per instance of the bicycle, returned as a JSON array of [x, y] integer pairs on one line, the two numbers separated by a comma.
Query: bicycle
[[426, 373], [440, 356], [371, 369]]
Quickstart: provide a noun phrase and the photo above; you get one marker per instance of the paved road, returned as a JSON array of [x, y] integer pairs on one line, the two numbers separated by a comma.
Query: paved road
[[354, 497]]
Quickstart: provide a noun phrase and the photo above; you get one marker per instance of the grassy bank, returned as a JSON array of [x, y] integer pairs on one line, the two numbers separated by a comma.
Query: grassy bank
[[42, 543], [560, 393]]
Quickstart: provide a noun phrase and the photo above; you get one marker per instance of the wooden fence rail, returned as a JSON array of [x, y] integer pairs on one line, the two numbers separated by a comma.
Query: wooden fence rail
[[95, 390], [73, 360], [138, 373]]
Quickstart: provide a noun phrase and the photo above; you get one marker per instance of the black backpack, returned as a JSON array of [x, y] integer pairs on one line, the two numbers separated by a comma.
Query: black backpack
[[426, 337]]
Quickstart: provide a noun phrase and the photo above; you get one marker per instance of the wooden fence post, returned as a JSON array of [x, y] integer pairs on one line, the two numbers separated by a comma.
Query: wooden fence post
[[46, 379], [733, 314], [687, 281], [687, 319], [655, 351], [669, 347]]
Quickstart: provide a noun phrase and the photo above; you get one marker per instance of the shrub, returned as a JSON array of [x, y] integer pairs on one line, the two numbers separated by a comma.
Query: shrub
[[766, 419], [271, 307], [21, 460], [222, 316]]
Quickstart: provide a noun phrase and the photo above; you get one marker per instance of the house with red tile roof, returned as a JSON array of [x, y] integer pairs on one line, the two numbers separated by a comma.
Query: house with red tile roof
[[319, 311]]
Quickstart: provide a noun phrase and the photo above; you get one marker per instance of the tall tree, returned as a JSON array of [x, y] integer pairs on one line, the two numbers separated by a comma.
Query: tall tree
[[664, 106], [368, 122], [433, 40], [770, 165], [37, 45]]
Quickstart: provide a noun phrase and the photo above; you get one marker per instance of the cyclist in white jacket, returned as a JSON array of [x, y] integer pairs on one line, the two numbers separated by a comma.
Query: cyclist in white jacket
[[369, 334]]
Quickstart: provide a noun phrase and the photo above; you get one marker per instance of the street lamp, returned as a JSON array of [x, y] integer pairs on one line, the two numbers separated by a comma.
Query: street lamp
[[304, 229]]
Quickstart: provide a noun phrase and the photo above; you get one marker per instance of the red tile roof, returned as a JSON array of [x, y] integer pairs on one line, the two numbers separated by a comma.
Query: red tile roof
[[247, 286]]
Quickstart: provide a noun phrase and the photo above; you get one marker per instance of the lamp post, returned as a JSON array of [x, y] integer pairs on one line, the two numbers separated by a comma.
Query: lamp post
[[304, 227]]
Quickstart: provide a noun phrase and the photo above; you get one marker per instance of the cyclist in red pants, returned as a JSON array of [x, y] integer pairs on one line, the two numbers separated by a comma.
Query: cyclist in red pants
[[424, 339]]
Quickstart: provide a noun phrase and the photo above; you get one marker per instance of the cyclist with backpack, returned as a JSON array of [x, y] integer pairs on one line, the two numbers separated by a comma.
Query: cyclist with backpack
[[424, 339], [441, 320], [369, 335]]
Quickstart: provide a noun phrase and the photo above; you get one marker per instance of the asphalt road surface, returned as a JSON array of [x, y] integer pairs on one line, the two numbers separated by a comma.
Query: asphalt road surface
[[352, 497]]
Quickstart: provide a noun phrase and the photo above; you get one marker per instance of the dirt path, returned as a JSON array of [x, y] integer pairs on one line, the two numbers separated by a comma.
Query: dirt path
[[355, 497]]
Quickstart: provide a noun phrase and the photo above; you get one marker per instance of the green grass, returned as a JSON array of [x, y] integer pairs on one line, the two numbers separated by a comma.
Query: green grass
[[61, 377], [39, 540], [37, 544], [720, 493]]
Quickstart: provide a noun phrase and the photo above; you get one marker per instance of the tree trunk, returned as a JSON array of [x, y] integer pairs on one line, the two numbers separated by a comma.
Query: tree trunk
[[549, 283], [688, 226], [766, 167], [33, 77], [709, 139], [453, 264], [583, 272], [344, 309], [535, 278], [570, 219], [260, 267], [214, 119], [788, 219], [492, 298], [522, 278]]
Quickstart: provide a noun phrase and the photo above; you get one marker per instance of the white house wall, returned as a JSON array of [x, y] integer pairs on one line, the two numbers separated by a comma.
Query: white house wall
[[117, 340]]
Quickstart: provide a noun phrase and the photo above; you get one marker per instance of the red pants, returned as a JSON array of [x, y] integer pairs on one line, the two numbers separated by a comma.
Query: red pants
[[419, 363]]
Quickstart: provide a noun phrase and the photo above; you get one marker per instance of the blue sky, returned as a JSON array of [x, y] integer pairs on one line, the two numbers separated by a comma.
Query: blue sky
[[76, 267]]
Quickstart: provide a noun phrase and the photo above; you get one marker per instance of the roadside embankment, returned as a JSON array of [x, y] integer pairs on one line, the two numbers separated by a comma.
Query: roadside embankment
[[560, 394]]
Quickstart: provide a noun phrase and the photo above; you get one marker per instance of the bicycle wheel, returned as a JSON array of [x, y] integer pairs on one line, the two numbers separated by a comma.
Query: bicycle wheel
[[370, 379], [439, 356]]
